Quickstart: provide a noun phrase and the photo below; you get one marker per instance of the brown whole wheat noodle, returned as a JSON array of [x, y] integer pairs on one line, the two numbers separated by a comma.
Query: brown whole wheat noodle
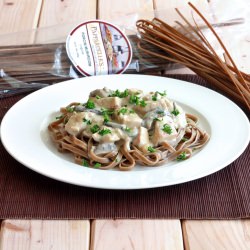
[[188, 46]]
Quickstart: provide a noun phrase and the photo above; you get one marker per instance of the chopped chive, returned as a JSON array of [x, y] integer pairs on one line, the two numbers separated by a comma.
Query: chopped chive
[[70, 109], [106, 119], [134, 100], [90, 104], [128, 129], [59, 117], [154, 97], [160, 112], [104, 132], [125, 93], [87, 121], [157, 119], [181, 156], [151, 149], [97, 165], [119, 94], [162, 94], [97, 97], [106, 113], [143, 103], [167, 129], [175, 112], [122, 111], [85, 163], [95, 128]]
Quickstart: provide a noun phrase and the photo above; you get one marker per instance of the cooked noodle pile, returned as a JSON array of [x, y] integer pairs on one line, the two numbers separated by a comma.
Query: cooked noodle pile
[[122, 129]]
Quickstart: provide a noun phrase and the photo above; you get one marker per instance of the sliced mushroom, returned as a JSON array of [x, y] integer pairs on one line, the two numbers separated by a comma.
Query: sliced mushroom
[[105, 92], [81, 108], [116, 125], [105, 148], [151, 116]]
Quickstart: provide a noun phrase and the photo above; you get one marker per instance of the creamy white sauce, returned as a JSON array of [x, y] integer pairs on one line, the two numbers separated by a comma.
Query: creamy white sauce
[[133, 116]]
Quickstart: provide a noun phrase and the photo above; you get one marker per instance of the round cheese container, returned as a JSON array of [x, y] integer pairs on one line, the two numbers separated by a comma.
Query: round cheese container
[[97, 47]]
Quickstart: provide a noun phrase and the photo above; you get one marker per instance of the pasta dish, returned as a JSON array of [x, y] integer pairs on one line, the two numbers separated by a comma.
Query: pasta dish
[[120, 129]]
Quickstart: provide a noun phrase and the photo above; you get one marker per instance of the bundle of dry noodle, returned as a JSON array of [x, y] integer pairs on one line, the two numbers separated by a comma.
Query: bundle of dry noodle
[[193, 50]]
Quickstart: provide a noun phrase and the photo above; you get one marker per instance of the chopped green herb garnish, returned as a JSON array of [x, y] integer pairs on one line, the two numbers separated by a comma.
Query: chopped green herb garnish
[[95, 128], [117, 93], [160, 112], [167, 129], [90, 104], [154, 97], [122, 111], [143, 103], [97, 97], [125, 93], [131, 111], [162, 94], [106, 113], [106, 118], [127, 129], [85, 163], [181, 156], [184, 139], [87, 121], [175, 112], [157, 120], [104, 132], [70, 109], [97, 165], [59, 117], [151, 149], [134, 100]]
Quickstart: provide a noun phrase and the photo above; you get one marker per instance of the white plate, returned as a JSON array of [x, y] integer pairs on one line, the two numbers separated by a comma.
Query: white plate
[[24, 133]]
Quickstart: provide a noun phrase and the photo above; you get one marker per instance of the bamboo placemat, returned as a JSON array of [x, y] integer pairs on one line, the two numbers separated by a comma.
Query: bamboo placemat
[[26, 194]]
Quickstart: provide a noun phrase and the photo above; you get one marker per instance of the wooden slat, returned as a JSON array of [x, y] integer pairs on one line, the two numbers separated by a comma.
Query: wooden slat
[[62, 17], [65, 11], [18, 16], [127, 13], [44, 234], [136, 234], [167, 12], [232, 10], [216, 234], [238, 45], [217, 13]]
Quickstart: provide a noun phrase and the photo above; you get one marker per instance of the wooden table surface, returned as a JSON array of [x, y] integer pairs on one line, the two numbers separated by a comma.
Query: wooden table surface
[[24, 15]]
